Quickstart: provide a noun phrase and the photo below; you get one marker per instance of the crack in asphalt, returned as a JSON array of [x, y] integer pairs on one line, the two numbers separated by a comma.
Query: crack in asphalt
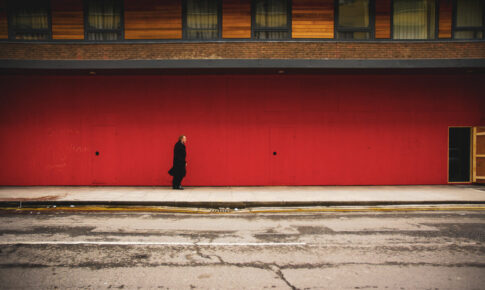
[[277, 270], [256, 265], [199, 253], [198, 250]]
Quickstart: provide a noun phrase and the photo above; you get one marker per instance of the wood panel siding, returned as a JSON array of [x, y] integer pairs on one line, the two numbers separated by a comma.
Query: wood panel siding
[[313, 19], [3, 20], [445, 15], [383, 19], [480, 144], [67, 19], [151, 19], [478, 168], [236, 19]]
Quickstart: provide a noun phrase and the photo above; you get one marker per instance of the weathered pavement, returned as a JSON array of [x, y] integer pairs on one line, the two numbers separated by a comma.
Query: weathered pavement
[[241, 196], [361, 250]]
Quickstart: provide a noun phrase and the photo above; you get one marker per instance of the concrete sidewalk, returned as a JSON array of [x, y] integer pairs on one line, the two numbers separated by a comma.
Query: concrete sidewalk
[[243, 196]]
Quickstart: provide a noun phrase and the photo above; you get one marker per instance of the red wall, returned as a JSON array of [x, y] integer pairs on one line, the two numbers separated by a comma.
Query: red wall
[[326, 129]]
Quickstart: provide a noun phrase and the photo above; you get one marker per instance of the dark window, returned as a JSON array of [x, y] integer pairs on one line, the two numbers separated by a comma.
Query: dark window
[[414, 19], [29, 20], [271, 19], [469, 19], [353, 19], [103, 20], [202, 19], [459, 155]]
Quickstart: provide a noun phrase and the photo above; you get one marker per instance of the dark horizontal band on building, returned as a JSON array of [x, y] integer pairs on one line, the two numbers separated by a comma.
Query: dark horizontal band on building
[[243, 64]]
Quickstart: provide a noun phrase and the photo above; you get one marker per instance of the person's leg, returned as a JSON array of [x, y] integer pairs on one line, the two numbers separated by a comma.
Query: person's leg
[[175, 182]]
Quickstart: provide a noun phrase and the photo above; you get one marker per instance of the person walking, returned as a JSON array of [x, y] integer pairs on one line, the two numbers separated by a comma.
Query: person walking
[[178, 169]]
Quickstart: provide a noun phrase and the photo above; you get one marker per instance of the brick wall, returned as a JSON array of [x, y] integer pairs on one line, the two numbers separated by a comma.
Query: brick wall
[[245, 50]]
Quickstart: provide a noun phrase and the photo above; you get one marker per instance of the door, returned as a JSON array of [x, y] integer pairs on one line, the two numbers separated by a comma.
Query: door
[[283, 155], [479, 154], [105, 155], [459, 154]]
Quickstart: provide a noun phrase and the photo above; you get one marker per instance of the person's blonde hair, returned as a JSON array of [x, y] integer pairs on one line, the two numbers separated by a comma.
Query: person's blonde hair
[[181, 137]]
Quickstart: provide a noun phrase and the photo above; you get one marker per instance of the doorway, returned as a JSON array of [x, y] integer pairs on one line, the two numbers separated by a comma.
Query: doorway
[[459, 154]]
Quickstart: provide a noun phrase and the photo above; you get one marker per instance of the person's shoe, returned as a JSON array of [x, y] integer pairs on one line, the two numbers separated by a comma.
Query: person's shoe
[[180, 187]]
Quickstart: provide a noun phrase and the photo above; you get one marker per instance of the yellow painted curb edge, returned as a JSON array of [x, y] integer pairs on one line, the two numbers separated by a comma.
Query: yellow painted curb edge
[[241, 211]]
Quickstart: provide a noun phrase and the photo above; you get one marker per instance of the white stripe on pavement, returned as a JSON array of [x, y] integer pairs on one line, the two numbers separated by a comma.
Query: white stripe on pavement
[[144, 243]]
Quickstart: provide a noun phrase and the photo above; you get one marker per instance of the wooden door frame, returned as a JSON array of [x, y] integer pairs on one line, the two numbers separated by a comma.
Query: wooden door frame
[[474, 152]]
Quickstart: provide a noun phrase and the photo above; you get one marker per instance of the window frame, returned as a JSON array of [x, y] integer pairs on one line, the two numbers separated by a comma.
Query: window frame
[[436, 24], [120, 31], [288, 23], [371, 29], [185, 28], [466, 28], [12, 32]]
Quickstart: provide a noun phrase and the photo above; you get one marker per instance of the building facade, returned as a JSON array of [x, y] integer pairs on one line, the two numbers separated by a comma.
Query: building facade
[[269, 92]]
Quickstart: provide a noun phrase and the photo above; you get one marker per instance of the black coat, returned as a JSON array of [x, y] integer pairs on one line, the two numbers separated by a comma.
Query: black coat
[[179, 153]]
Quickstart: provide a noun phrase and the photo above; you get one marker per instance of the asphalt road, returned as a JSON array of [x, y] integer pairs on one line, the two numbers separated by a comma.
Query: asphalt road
[[368, 250]]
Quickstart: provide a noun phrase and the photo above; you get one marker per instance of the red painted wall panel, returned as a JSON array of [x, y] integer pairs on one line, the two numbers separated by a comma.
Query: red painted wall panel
[[325, 129]]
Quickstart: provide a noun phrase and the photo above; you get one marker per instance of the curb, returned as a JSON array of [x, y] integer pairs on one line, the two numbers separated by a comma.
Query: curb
[[224, 204]]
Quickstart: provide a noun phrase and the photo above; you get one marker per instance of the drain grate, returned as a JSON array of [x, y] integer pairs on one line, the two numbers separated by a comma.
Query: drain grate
[[221, 210]]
